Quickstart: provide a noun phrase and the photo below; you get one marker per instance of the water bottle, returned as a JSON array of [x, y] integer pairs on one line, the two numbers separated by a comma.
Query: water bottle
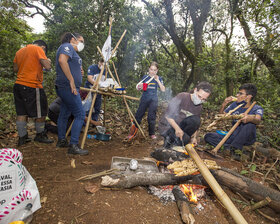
[[27, 214], [91, 136]]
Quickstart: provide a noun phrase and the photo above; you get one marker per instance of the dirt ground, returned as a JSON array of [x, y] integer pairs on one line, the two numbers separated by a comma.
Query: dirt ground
[[66, 201]]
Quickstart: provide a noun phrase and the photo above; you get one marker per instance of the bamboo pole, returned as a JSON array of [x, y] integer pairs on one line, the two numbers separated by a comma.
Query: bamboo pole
[[132, 118], [108, 94], [215, 150], [219, 192], [104, 114], [91, 107], [117, 45]]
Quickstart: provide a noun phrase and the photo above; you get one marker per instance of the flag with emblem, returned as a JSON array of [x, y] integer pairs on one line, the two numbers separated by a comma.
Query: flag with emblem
[[106, 49]]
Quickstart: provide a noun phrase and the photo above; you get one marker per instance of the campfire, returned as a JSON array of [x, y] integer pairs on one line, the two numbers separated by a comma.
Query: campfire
[[175, 176]]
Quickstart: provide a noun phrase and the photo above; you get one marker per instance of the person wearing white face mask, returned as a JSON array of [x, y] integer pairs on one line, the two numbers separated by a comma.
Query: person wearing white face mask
[[180, 123], [69, 73]]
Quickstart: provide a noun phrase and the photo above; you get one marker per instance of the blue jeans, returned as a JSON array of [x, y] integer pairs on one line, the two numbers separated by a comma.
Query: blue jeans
[[97, 107], [244, 134], [150, 104], [71, 104]]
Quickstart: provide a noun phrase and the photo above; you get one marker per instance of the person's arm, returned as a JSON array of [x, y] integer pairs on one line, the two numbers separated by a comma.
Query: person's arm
[[225, 103], [178, 131], [161, 86], [63, 62], [15, 67], [251, 118], [90, 78], [46, 63]]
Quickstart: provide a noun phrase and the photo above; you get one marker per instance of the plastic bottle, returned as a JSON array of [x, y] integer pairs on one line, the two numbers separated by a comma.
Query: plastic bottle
[[91, 136], [27, 214]]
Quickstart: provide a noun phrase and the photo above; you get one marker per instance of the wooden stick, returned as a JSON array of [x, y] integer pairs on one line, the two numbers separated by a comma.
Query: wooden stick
[[110, 26], [91, 107], [260, 204], [104, 114], [222, 196], [215, 150], [269, 170], [224, 115], [69, 129], [132, 118], [117, 45], [109, 94]]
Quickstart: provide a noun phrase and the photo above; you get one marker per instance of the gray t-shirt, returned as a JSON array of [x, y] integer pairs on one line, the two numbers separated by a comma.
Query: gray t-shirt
[[179, 108]]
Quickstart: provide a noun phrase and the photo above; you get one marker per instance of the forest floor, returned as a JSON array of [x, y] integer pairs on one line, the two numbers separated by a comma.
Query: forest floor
[[67, 201]]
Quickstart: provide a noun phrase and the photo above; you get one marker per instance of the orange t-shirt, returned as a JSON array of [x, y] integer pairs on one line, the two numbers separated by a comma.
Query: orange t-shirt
[[30, 70]]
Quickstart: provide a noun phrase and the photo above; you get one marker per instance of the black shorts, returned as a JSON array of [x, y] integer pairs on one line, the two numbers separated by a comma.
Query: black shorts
[[31, 102]]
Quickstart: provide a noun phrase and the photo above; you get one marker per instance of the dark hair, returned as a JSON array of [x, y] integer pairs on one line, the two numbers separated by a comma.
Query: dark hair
[[153, 63], [205, 86], [41, 43], [101, 60], [66, 37], [250, 89]]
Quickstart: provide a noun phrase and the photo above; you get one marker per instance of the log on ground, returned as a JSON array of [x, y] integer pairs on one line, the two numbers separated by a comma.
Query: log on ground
[[144, 179], [247, 187]]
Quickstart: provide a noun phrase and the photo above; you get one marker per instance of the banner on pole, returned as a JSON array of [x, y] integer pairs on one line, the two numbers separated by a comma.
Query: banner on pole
[[106, 49]]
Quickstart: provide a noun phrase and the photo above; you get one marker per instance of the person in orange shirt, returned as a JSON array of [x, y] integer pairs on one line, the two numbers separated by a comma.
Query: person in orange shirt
[[29, 95]]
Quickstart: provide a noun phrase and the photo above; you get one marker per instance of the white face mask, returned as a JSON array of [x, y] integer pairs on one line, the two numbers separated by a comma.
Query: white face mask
[[196, 100], [80, 46]]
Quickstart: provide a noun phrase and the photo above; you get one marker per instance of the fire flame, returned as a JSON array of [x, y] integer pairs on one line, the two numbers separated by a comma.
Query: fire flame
[[188, 191]]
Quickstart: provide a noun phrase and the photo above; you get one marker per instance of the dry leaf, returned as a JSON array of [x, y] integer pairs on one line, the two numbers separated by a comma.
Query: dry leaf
[[43, 200], [92, 188], [87, 163], [73, 165]]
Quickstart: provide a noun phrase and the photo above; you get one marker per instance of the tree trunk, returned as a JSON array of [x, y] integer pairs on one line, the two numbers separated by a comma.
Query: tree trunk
[[144, 179], [273, 67], [247, 187]]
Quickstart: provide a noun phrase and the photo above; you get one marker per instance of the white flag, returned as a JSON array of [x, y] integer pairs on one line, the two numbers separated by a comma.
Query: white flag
[[106, 49]]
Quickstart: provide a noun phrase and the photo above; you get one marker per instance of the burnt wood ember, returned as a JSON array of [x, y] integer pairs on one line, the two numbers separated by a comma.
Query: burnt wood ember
[[183, 205], [144, 179], [168, 155], [247, 187]]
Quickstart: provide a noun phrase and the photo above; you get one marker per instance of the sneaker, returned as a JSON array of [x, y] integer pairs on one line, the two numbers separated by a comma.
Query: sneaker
[[43, 138], [132, 132], [76, 150], [62, 143], [153, 137], [23, 140]]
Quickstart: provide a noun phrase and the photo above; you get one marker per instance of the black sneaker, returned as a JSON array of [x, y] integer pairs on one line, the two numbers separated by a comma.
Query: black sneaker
[[76, 150], [62, 143], [23, 140], [43, 138]]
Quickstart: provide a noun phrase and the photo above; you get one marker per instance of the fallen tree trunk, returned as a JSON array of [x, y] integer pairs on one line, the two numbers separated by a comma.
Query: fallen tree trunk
[[247, 187], [144, 179], [183, 206], [234, 181]]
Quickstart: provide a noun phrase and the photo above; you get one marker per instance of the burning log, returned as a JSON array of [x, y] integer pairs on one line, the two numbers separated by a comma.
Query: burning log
[[183, 206], [144, 179], [247, 187], [168, 155]]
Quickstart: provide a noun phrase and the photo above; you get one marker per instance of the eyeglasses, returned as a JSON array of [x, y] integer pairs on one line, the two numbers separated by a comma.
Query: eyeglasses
[[240, 93]]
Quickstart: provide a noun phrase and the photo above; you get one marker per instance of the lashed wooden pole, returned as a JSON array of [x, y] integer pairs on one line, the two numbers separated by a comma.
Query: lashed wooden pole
[[215, 150], [219, 192], [132, 118], [91, 107]]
